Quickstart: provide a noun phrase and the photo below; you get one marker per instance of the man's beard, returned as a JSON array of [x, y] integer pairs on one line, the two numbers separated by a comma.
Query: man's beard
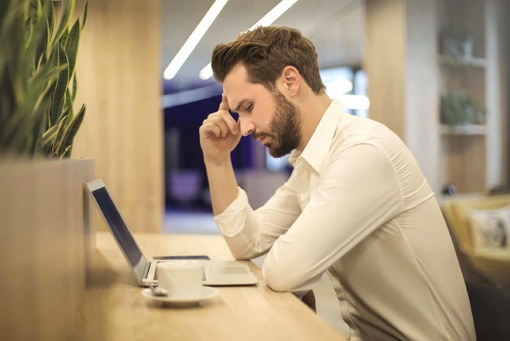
[[284, 127]]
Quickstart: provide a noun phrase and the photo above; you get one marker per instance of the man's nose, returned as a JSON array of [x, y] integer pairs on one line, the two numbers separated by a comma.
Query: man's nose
[[247, 127]]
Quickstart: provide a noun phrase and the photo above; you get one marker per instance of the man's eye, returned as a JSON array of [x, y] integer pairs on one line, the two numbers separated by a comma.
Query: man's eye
[[248, 108]]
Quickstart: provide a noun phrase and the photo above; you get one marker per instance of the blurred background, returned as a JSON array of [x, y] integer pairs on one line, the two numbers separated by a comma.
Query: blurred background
[[190, 96], [436, 72]]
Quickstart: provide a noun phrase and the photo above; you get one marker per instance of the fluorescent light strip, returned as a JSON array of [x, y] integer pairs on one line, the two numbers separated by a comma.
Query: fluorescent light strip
[[193, 39], [275, 13], [266, 20]]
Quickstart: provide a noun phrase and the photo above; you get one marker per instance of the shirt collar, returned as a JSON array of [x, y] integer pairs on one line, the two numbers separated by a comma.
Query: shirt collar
[[317, 148]]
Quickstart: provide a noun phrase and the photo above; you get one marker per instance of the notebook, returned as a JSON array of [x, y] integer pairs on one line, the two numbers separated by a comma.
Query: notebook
[[216, 272]]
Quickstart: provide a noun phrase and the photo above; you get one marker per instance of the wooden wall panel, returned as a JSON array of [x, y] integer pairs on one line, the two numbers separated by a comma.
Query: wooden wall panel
[[385, 60], [400, 60], [119, 81], [46, 243], [464, 162]]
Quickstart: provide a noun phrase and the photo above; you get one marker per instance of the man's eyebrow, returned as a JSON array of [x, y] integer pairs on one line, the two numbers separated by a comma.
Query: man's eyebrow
[[239, 105]]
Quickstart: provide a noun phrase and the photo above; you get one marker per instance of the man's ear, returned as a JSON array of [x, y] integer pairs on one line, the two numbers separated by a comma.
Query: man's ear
[[291, 80]]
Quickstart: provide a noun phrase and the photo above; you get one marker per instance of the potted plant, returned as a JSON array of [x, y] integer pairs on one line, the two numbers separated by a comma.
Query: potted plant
[[458, 42], [37, 78], [46, 229], [458, 109]]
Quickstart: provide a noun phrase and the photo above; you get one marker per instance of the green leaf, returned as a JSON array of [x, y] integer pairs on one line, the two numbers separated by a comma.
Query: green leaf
[[71, 130], [38, 53], [72, 46], [85, 11], [45, 32], [74, 89], [66, 12], [60, 88], [67, 152], [60, 137], [49, 135]]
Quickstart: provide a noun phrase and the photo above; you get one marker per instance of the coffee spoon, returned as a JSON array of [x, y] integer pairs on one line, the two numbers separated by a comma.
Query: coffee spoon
[[157, 291]]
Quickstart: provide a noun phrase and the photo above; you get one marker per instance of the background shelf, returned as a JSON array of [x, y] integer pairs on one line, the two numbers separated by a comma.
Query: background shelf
[[471, 129]]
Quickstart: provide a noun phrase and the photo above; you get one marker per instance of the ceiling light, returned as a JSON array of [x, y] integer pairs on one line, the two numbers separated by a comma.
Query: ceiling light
[[193, 39], [206, 72], [266, 20], [275, 13]]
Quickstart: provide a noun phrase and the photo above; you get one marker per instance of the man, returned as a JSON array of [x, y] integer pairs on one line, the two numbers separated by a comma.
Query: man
[[356, 204]]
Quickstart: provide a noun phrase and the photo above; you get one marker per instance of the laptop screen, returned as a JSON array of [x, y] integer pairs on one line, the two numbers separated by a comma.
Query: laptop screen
[[119, 228]]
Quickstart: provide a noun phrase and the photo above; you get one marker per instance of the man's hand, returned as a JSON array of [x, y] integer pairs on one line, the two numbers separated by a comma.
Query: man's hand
[[219, 134]]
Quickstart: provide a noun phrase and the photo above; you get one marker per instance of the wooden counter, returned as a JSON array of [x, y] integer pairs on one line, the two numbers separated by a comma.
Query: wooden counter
[[114, 309]]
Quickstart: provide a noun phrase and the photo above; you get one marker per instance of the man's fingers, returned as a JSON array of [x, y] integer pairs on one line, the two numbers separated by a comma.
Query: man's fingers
[[224, 103], [213, 129], [217, 125], [221, 123], [224, 118]]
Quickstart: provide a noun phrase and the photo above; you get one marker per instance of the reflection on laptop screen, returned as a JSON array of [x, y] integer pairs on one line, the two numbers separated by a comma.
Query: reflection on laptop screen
[[118, 226]]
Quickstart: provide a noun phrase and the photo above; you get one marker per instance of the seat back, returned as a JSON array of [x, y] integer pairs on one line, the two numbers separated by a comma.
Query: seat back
[[457, 211], [491, 311]]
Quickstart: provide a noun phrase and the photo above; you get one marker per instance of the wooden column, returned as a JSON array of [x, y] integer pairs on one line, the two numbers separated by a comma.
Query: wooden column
[[119, 81], [401, 64], [506, 143], [385, 62]]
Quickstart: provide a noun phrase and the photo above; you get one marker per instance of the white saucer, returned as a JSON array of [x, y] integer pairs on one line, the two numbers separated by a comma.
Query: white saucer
[[207, 292]]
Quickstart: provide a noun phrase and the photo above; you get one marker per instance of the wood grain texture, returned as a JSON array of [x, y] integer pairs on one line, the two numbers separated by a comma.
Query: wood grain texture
[[476, 162], [400, 61], [465, 162], [119, 81], [384, 62], [114, 309], [45, 247], [407, 76]]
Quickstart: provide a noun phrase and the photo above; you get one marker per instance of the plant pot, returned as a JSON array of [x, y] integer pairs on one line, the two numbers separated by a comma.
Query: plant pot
[[46, 240]]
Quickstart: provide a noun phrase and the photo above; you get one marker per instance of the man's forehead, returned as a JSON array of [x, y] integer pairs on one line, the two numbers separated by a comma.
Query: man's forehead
[[236, 78], [237, 73], [237, 88]]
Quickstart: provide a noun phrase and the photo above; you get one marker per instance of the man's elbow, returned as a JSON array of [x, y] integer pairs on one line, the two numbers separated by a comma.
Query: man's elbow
[[279, 279], [244, 254], [243, 251], [290, 275]]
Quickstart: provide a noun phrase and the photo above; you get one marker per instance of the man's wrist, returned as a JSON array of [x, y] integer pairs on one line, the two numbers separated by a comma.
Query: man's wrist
[[217, 162]]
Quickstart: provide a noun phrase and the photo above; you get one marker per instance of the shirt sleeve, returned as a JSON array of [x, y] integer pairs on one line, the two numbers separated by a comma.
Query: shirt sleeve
[[250, 233], [357, 193]]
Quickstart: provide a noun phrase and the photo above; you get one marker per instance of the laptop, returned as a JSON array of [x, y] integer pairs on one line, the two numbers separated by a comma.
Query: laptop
[[216, 272]]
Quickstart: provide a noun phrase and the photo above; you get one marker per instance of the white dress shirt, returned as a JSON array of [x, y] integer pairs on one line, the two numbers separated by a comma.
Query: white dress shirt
[[357, 206]]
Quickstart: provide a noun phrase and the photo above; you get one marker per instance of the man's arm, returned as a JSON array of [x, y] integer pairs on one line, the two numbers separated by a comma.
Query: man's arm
[[222, 185], [219, 135], [356, 195]]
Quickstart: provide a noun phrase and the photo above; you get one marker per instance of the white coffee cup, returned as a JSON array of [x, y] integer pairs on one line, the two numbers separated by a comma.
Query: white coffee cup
[[181, 278]]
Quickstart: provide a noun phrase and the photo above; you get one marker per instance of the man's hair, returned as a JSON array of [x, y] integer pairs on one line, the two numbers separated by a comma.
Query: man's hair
[[265, 52]]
